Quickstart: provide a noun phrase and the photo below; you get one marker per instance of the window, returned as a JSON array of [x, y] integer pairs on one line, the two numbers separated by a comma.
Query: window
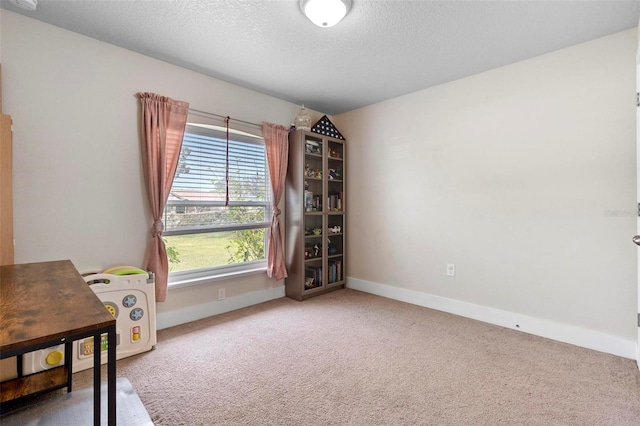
[[205, 238]]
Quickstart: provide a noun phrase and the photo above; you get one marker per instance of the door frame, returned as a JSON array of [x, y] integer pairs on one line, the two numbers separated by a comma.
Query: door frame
[[638, 184]]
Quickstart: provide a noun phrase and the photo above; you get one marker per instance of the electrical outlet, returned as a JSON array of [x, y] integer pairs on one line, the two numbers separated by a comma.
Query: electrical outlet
[[221, 293], [451, 270]]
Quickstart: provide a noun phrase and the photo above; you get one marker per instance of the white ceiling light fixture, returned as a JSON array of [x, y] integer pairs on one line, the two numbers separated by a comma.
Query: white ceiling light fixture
[[25, 4], [325, 13]]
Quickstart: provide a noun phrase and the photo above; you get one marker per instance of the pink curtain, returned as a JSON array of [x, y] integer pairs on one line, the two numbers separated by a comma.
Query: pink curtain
[[276, 139], [163, 123]]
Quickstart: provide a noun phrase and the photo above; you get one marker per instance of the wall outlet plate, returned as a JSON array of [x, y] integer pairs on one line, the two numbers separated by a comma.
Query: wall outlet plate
[[451, 270]]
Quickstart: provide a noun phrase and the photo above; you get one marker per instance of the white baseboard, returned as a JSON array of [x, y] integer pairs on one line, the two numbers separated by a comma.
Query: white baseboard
[[540, 327], [193, 313]]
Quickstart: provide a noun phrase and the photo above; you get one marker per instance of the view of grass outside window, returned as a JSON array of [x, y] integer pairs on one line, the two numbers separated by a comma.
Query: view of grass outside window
[[200, 231]]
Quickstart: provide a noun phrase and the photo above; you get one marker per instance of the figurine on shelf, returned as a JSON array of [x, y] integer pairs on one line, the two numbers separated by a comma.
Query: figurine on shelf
[[308, 253], [316, 250], [308, 172], [318, 174], [313, 147], [331, 249], [309, 283], [335, 230], [317, 231], [332, 174]]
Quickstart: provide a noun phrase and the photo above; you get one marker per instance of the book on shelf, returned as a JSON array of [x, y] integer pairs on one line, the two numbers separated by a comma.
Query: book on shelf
[[335, 271], [335, 201]]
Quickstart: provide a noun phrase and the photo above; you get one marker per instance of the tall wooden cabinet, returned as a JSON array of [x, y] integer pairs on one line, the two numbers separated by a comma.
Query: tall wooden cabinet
[[8, 366], [315, 202], [6, 204], [6, 187]]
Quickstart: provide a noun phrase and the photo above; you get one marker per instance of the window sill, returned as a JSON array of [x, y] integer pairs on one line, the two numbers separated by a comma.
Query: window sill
[[188, 282]]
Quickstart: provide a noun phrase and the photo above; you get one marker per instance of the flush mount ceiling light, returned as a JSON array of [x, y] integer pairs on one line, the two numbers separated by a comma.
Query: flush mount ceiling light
[[325, 13], [25, 4]]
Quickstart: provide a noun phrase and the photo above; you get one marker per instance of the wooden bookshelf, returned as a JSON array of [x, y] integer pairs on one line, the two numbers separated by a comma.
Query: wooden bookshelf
[[315, 202]]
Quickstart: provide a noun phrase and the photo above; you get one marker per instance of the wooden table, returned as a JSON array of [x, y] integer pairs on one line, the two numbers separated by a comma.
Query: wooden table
[[46, 304]]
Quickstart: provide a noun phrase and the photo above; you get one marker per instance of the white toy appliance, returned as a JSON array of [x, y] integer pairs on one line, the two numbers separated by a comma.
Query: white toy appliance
[[131, 300]]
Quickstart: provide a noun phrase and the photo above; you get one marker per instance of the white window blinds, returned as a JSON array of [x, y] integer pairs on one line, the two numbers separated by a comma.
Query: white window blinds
[[197, 199]]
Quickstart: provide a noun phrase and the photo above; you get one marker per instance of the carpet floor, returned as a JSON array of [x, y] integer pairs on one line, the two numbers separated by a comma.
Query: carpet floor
[[351, 358]]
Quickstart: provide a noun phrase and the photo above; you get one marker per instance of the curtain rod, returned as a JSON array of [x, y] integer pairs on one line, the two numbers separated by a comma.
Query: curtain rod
[[224, 117]]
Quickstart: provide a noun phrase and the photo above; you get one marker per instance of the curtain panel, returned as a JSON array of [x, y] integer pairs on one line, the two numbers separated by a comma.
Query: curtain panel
[[163, 122], [276, 140]]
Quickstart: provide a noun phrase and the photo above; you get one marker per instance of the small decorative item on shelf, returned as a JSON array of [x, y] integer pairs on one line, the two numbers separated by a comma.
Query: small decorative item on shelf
[[317, 231], [331, 249], [338, 173], [308, 200], [335, 230], [332, 174], [334, 154], [309, 173], [303, 120], [312, 251], [324, 126], [312, 147], [308, 251], [309, 283]]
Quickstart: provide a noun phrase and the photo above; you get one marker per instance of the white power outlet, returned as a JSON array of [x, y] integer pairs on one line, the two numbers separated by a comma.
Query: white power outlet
[[451, 270], [221, 294]]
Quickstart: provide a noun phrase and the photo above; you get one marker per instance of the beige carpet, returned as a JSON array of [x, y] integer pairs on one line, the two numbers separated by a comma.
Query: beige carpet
[[350, 358]]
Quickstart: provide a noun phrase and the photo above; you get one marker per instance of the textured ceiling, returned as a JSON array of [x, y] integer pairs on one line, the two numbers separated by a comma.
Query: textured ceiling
[[382, 49]]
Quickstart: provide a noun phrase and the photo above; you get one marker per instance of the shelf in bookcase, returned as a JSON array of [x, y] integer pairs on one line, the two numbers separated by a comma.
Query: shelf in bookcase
[[315, 236], [333, 256], [313, 178], [337, 283], [337, 234], [335, 180], [308, 154], [335, 158], [335, 212], [313, 213], [311, 259]]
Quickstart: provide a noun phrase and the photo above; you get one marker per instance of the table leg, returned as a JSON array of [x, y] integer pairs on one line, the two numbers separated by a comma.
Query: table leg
[[96, 379], [68, 361], [111, 377]]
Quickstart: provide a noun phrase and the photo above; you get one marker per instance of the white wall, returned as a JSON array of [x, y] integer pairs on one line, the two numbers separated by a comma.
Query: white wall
[[78, 187], [0, 38], [523, 177]]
